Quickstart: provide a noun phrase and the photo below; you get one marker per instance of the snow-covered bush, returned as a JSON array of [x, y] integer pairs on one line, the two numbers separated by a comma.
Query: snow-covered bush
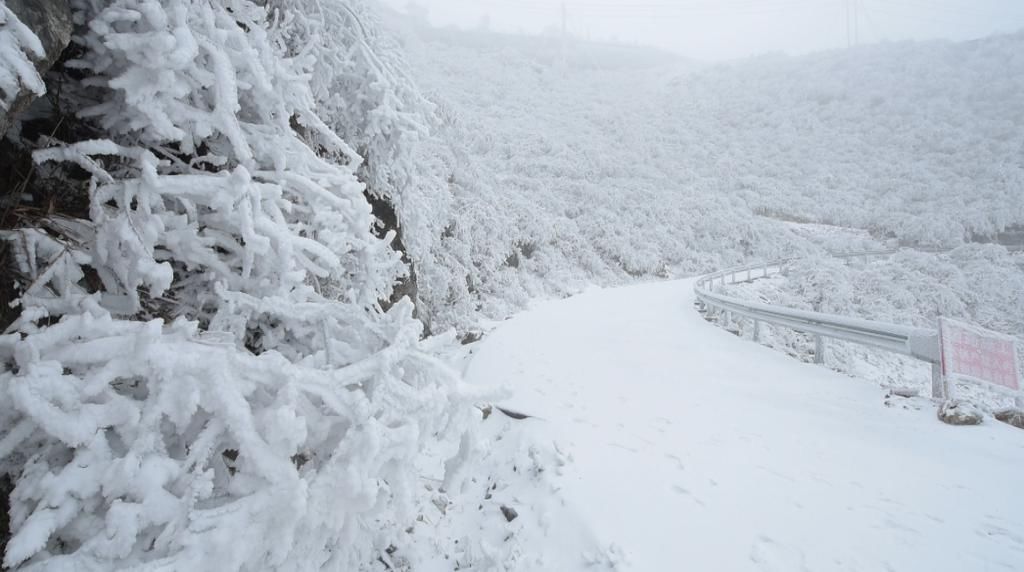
[[201, 376]]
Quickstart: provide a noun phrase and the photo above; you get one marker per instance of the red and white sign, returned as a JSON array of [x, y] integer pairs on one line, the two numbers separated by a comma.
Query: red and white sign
[[977, 354]]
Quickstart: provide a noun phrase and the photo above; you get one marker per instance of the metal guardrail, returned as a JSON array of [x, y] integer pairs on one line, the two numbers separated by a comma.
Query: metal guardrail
[[920, 343]]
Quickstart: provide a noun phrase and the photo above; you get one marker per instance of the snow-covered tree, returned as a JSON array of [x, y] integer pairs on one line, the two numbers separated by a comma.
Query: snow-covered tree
[[202, 376]]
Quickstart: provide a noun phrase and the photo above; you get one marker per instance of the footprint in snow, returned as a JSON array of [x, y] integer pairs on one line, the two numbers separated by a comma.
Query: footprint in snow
[[678, 462], [683, 491], [998, 533], [770, 556]]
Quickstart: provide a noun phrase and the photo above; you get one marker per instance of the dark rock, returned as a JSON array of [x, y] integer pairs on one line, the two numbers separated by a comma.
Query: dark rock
[[387, 221], [509, 512], [50, 20], [513, 414], [1013, 417], [6, 487], [960, 413], [904, 392]]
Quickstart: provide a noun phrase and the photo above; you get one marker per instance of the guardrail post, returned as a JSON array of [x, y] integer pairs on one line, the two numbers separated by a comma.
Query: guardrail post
[[765, 269], [938, 389], [819, 349], [757, 330]]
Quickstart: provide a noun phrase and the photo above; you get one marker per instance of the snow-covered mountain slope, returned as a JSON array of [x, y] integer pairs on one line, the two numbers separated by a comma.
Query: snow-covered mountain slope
[[691, 449], [613, 163], [920, 141], [557, 175]]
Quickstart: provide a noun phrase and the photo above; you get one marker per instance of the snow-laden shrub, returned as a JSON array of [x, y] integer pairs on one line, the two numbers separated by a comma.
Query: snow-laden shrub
[[201, 377], [362, 89]]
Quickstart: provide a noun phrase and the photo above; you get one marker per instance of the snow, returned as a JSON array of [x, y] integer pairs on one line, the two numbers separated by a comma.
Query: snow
[[17, 45], [978, 283], [204, 376], [627, 163], [201, 376], [691, 448]]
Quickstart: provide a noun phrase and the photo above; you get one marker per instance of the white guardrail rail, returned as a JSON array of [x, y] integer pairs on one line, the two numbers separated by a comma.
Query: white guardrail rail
[[921, 343]]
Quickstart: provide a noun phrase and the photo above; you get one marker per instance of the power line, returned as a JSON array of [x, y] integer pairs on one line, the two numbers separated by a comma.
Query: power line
[[897, 11], [932, 5]]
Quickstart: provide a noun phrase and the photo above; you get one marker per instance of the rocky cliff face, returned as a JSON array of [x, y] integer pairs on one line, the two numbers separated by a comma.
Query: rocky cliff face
[[50, 21]]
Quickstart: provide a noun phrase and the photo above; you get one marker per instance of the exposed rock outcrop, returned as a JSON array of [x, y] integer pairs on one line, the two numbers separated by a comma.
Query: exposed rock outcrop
[[50, 21], [1011, 416], [960, 413]]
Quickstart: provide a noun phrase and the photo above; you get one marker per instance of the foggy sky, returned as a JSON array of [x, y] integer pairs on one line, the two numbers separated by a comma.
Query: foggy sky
[[726, 29]]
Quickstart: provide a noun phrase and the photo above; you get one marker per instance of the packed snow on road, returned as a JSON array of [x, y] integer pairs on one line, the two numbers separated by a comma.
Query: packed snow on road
[[688, 448]]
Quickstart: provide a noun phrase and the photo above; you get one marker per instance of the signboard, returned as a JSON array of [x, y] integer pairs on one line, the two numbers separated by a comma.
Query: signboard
[[976, 354]]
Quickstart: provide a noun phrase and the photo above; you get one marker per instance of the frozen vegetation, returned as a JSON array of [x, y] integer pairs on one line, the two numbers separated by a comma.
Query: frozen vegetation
[[615, 163], [202, 374], [976, 283], [243, 238]]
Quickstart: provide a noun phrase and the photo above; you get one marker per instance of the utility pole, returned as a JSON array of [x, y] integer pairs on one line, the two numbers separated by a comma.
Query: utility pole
[[565, 34], [564, 20], [846, 4], [856, 22], [852, 22]]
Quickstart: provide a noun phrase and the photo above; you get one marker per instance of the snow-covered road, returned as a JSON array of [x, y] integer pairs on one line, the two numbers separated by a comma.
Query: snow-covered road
[[695, 450]]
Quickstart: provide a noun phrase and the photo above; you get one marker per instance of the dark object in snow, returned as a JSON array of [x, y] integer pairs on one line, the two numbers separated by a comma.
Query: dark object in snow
[[50, 21], [471, 337], [1011, 416], [300, 459], [509, 512], [959, 413], [512, 414], [6, 487], [904, 392], [387, 221]]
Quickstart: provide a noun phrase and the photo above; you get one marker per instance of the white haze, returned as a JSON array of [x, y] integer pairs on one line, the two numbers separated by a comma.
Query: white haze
[[727, 29]]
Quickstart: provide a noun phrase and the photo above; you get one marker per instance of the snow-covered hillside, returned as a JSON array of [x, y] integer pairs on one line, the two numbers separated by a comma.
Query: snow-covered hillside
[[235, 235], [559, 178], [613, 163], [918, 141]]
